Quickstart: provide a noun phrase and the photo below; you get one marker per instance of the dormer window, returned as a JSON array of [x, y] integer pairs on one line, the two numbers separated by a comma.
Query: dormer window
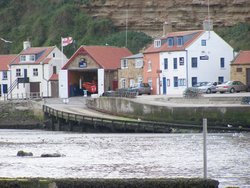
[[27, 58], [170, 42], [157, 43], [22, 58], [180, 41], [32, 58]]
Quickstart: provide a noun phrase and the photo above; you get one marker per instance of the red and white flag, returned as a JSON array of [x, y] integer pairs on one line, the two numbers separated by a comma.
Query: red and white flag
[[67, 41]]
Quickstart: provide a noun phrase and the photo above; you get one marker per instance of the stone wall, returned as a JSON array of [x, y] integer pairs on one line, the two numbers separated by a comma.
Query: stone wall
[[21, 114], [217, 116]]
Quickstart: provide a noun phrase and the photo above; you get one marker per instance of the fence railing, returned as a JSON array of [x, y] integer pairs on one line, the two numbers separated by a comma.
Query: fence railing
[[23, 96]]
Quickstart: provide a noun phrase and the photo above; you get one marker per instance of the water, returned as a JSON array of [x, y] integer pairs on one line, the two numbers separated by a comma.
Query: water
[[126, 155]]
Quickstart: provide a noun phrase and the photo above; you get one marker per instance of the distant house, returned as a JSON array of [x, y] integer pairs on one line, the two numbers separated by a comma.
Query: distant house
[[5, 61], [91, 64], [34, 72], [131, 71], [240, 68], [181, 59]]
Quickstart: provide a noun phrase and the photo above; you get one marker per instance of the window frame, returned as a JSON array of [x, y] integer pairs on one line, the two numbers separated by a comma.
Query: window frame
[[222, 62], [5, 75], [170, 42], [124, 63], [35, 71], [181, 61], [203, 42], [18, 72], [194, 64], [165, 63], [157, 43], [180, 41], [175, 63], [176, 82]]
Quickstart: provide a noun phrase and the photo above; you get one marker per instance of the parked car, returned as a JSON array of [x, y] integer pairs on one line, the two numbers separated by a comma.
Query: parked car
[[206, 87], [141, 88], [231, 86]]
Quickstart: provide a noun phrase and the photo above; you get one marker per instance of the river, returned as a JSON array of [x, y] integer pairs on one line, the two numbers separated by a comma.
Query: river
[[126, 155]]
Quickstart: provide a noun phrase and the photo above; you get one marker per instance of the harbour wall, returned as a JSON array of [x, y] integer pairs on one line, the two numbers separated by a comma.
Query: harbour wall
[[217, 115]]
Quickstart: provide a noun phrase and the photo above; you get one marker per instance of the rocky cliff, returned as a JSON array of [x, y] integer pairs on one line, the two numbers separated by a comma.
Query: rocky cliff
[[149, 15]]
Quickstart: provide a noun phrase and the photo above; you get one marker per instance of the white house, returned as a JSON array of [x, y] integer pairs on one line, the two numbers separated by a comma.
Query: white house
[[34, 72], [5, 60], [189, 57]]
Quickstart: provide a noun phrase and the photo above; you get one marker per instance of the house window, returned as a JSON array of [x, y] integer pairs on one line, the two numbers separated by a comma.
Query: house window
[[5, 75], [238, 69], [32, 58], [170, 42], [123, 83], [35, 72], [203, 42], [131, 82], [139, 79], [22, 58], [222, 62], [175, 63], [149, 66], [221, 79], [18, 72], [181, 61], [124, 63], [54, 55], [54, 70], [182, 82], [194, 62], [194, 81], [138, 63], [180, 41], [175, 81], [157, 43], [165, 63]]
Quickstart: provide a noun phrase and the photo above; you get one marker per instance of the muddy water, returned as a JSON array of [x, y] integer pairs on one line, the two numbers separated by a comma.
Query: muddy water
[[126, 155]]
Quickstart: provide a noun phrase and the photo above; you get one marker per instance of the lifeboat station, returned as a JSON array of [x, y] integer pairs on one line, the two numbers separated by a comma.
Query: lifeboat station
[[91, 70]]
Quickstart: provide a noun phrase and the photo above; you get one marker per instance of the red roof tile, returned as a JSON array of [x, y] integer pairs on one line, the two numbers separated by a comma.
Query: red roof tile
[[107, 57], [54, 77], [243, 58], [5, 60], [165, 47], [45, 51]]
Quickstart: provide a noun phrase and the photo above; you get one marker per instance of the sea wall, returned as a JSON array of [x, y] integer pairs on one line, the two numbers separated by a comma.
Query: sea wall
[[106, 183], [21, 114], [188, 114]]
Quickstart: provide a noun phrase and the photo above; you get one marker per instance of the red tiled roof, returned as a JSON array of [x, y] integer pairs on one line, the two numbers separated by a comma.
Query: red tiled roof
[[5, 60], [165, 47], [34, 51], [243, 58], [107, 57], [54, 77]]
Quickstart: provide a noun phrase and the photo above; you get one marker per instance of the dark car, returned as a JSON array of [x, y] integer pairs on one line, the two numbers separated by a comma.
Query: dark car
[[141, 88], [231, 86]]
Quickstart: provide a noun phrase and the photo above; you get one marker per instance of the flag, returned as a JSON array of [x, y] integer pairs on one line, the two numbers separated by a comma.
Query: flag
[[67, 41]]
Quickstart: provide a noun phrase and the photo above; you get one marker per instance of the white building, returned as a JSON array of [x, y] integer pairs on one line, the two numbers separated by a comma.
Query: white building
[[34, 72], [5, 60], [189, 57]]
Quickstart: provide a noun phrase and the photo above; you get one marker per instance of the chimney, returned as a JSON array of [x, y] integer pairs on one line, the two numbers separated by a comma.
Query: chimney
[[167, 28], [208, 25], [26, 44]]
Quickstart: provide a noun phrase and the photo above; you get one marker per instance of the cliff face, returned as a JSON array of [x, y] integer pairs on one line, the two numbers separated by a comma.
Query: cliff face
[[149, 15]]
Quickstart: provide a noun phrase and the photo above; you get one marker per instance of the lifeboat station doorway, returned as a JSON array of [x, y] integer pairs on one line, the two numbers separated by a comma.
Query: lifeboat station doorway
[[91, 70]]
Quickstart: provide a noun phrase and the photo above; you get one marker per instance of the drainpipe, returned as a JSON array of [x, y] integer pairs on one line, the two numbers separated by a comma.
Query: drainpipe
[[186, 68]]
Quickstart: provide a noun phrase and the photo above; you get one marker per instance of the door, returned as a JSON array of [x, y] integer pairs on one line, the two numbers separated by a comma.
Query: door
[[5, 88], [63, 84], [54, 89], [25, 73], [35, 89], [248, 78], [164, 82]]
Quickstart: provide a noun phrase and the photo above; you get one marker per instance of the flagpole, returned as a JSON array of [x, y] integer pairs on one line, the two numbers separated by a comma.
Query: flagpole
[[62, 49]]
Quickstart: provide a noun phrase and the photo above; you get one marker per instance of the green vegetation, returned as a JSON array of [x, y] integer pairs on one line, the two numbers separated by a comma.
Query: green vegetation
[[45, 22], [237, 36]]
